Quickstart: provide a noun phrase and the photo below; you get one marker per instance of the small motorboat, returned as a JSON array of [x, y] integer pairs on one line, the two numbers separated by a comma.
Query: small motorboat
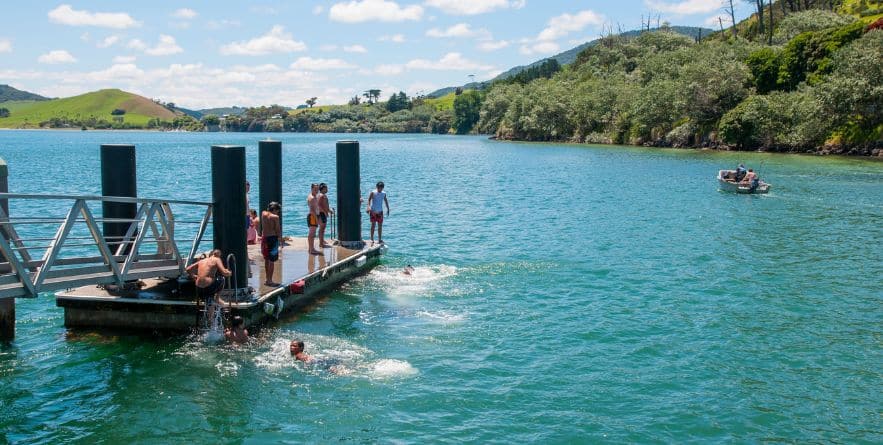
[[727, 181]]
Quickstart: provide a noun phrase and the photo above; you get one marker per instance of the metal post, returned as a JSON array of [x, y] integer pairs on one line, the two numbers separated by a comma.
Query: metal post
[[118, 179], [7, 305], [349, 210], [228, 194], [270, 174]]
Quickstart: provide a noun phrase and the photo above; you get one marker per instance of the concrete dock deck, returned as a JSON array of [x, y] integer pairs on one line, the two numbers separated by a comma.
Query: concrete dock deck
[[163, 304]]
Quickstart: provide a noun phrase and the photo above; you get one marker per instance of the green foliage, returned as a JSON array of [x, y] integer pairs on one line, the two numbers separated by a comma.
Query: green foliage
[[808, 54], [211, 119], [4, 112], [466, 111], [398, 102], [807, 21], [764, 65], [544, 70]]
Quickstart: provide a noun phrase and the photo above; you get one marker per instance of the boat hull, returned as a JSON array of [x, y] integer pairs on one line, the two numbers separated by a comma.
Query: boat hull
[[733, 187]]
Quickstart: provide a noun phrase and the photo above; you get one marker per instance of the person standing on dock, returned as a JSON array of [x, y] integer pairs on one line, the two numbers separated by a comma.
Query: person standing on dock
[[270, 241], [313, 218], [376, 199], [324, 212]]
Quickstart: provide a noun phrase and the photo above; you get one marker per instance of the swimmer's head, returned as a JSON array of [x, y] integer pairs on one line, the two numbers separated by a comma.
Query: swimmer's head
[[237, 321], [295, 347]]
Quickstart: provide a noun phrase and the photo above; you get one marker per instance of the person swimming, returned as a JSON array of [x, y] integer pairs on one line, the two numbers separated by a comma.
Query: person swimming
[[409, 270], [237, 332]]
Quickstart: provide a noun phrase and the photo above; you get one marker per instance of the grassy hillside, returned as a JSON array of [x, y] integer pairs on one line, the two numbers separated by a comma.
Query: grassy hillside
[[8, 93], [95, 106], [442, 103]]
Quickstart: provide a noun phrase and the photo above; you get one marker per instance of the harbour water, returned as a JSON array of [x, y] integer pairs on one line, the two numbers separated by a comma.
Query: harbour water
[[562, 294]]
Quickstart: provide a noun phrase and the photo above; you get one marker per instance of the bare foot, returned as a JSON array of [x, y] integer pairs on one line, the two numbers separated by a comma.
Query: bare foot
[[325, 245]]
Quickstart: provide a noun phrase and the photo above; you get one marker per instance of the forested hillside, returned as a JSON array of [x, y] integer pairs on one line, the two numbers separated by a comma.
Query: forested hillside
[[818, 86]]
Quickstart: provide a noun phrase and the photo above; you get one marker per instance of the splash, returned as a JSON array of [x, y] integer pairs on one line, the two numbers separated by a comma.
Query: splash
[[422, 281]]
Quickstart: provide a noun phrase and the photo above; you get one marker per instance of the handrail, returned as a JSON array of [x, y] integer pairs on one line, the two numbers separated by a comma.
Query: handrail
[[118, 256], [122, 199]]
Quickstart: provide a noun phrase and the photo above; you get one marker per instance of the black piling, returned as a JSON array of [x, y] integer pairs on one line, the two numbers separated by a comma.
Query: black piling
[[7, 305], [118, 178], [228, 195], [270, 174], [349, 209]]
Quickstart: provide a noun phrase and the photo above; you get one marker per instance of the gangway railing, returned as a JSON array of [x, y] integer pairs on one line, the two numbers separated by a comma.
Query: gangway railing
[[47, 252]]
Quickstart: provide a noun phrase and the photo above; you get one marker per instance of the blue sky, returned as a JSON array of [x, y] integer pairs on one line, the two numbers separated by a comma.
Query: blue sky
[[202, 54]]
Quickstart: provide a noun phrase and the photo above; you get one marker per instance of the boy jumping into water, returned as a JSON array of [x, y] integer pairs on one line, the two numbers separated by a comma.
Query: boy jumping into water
[[376, 199]]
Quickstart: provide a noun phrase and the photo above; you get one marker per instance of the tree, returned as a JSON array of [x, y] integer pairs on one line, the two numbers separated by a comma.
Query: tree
[[372, 95], [467, 107], [4, 112], [211, 119], [398, 102], [311, 101], [355, 100], [118, 112]]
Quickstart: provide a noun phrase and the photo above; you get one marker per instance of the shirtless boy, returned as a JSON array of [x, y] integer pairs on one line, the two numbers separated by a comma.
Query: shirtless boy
[[324, 212], [313, 217], [271, 240], [209, 273]]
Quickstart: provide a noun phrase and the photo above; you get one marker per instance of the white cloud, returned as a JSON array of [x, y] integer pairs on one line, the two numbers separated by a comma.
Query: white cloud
[[564, 24], [311, 64], [358, 11], [389, 69], [395, 38], [355, 49], [165, 47], [66, 15], [137, 44], [539, 48], [185, 14], [218, 24], [459, 30], [716, 20], [492, 45], [108, 41], [686, 7], [318, 9], [472, 7], [5, 46], [275, 41], [124, 59], [450, 61], [56, 56]]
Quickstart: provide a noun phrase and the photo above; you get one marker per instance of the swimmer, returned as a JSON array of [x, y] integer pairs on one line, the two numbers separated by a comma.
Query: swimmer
[[296, 347], [237, 332], [409, 269]]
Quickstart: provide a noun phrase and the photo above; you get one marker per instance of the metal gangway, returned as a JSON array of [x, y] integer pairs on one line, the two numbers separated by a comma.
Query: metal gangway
[[52, 242]]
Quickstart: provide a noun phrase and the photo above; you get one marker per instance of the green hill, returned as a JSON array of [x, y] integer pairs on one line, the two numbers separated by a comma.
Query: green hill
[[91, 109], [8, 93]]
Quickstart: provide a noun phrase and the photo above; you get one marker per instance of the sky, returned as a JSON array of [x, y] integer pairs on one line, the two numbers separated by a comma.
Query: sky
[[202, 54]]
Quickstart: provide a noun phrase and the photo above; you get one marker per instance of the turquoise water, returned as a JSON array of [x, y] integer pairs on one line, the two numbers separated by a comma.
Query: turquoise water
[[563, 294]]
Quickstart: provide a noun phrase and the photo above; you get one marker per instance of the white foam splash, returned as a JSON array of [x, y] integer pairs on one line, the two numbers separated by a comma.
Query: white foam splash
[[391, 368], [442, 317], [403, 288]]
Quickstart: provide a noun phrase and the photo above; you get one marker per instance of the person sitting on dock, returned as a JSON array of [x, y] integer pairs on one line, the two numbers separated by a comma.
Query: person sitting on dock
[[312, 218], [296, 347], [270, 239], [324, 212], [237, 332], [376, 199], [209, 274]]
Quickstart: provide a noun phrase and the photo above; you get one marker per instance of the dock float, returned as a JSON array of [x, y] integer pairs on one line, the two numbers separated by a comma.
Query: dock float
[[171, 304]]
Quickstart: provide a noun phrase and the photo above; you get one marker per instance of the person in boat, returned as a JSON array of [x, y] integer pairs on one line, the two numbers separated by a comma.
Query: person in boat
[[209, 274], [749, 178], [296, 347], [237, 332], [740, 172], [271, 239]]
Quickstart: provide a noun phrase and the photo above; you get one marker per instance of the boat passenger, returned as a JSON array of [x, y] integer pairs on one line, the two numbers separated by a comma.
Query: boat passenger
[[740, 172], [237, 332], [749, 177]]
